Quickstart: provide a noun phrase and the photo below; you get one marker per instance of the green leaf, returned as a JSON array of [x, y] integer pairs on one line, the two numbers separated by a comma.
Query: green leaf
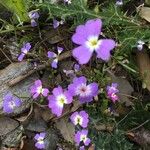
[[18, 8]]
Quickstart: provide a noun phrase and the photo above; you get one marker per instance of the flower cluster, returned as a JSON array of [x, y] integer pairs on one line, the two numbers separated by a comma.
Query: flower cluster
[[24, 50], [87, 37], [81, 118], [33, 16], [112, 91], [10, 102], [40, 144], [55, 56]]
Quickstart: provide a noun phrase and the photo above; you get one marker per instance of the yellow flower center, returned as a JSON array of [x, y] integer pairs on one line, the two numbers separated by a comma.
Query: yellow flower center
[[93, 42], [61, 100]]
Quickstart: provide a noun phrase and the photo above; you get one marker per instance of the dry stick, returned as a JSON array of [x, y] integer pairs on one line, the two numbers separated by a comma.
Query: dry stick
[[139, 126], [40, 67]]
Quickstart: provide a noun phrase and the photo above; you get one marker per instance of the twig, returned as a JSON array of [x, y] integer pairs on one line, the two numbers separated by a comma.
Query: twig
[[40, 67], [139, 126]]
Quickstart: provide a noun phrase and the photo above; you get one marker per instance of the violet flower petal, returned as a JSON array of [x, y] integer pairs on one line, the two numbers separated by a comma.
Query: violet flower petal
[[104, 50], [45, 92], [82, 54], [21, 56], [54, 63]]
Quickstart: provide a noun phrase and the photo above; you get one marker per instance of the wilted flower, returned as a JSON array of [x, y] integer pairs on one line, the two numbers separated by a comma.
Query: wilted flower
[[140, 45], [81, 136], [80, 88], [37, 89], [87, 37], [33, 16], [24, 50], [111, 92], [119, 2], [55, 56], [81, 118], [56, 23], [10, 102], [58, 100], [40, 140], [71, 73]]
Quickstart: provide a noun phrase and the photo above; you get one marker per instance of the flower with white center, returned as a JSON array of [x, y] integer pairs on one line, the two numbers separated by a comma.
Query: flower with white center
[[40, 144], [119, 2], [87, 37], [10, 102], [68, 1], [140, 45], [37, 89], [55, 56], [57, 23], [112, 91], [24, 50], [81, 136], [80, 88], [80, 118], [58, 100]]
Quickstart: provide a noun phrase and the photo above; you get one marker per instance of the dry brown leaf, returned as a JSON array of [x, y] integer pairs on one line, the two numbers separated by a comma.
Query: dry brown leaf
[[66, 128], [145, 13], [143, 61]]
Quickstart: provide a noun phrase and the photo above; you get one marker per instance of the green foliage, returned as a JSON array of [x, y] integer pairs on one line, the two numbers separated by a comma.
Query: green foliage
[[108, 141], [18, 7]]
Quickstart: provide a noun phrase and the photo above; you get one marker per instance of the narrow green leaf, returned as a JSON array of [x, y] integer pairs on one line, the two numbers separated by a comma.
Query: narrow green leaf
[[18, 7]]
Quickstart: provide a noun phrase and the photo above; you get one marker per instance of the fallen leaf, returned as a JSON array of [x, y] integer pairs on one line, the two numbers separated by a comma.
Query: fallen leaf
[[145, 13], [143, 62], [141, 137], [66, 128]]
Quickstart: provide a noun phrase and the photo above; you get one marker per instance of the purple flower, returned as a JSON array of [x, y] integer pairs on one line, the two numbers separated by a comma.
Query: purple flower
[[56, 23], [81, 118], [55, 56], [33, 16], [111, 92], [81, 136], [140, 45], [67, 1], [81, 148], [119, 2], [113, 97], [40, 140], [87, 37], [58, 99], [80, 88], [10, 102], [76, 67], [112, 88], [24, 50], [37, 89]]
